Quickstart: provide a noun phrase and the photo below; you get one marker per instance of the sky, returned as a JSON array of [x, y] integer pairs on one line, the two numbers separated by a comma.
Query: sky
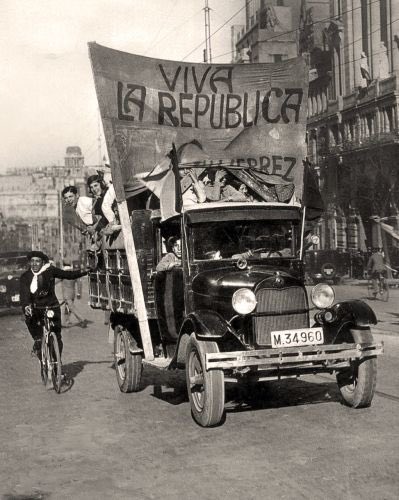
[[47, 96]]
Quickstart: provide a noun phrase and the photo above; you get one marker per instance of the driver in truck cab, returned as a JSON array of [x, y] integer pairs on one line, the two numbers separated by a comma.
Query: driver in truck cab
[[173, 257]]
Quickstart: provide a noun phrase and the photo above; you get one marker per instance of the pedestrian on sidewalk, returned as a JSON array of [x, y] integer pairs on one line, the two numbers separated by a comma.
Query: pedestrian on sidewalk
[[68, 295], [376, 268]]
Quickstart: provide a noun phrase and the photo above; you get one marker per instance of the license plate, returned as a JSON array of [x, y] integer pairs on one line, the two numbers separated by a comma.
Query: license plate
[[15, 298], [293, 338]]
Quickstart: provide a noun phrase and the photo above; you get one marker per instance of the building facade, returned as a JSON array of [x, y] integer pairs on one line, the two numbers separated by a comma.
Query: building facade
[[32, 213], [353, 120], [269, 34]]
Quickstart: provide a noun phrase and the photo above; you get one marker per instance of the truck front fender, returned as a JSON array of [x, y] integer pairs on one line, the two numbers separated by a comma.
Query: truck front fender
[[348, 315], [205, 324], [356, 312]]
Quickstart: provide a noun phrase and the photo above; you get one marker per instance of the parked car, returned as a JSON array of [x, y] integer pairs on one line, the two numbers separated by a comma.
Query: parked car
[[326, 265], [12, 265]]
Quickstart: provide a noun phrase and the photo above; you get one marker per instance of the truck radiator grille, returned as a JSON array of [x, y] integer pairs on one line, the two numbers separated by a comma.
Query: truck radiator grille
[[279, 301]]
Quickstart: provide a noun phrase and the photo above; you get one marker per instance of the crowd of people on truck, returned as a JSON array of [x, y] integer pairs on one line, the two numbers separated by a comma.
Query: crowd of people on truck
[[98, 213], [212, 185]]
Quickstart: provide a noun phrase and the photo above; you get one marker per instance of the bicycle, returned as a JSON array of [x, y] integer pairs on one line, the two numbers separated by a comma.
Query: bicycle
[[50, 362], [382, 287]]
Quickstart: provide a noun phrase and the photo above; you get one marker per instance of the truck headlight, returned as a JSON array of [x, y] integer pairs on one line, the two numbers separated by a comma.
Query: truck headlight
[[244, 301], [322, 296], [50, 313]]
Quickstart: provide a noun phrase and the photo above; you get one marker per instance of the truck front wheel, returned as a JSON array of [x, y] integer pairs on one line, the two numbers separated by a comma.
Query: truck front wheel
[[357, 384], [128, 366], [205, 388]]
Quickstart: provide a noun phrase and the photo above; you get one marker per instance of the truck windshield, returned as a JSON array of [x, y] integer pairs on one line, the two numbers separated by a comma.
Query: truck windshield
[[13, 264], [250, 239]]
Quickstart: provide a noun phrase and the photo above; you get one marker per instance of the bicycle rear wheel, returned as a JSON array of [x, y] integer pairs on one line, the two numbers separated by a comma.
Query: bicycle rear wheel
[[55, 362], [384, 287], [44, 362]]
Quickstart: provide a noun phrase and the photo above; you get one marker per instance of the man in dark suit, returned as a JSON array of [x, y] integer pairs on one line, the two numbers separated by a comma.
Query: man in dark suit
[[37, 288]]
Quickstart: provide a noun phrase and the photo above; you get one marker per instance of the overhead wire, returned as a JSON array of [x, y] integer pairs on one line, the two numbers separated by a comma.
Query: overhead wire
[[218, 29], [175, 28]]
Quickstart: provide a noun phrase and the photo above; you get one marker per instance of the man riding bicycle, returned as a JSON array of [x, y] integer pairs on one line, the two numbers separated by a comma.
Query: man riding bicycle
[[376, 269], [37, 288]]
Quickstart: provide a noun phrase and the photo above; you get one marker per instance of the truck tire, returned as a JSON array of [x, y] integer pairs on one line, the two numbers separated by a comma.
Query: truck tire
[[205, 388], [328, 270], [357, 384], [128, 366]]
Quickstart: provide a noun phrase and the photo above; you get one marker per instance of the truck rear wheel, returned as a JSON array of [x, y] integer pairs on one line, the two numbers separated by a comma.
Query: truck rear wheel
[[128, 366], [357, 384], [205, 388]]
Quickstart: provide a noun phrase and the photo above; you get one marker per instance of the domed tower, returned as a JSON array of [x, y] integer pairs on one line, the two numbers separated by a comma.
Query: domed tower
[[74, 158]]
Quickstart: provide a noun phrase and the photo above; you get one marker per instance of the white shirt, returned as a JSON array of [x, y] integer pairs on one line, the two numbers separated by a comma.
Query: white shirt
[[106, 205], [83, 210]]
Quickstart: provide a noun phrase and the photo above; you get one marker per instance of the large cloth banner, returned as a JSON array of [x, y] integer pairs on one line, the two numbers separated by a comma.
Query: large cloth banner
[[240, 115]]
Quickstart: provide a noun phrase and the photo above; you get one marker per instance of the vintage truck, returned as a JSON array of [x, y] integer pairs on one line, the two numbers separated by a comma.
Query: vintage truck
[[12, 265], [233, 307]]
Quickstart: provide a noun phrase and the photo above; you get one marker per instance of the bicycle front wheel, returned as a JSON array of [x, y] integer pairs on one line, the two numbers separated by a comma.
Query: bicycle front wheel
[[370, 289], [55, 362], [44, 362]]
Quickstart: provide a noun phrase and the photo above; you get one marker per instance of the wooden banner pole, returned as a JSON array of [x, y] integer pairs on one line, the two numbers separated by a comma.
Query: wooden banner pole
[[136, 280]]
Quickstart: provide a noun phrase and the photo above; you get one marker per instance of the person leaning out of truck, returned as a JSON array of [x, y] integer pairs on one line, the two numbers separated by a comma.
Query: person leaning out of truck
[[173, 257], [104, 208]]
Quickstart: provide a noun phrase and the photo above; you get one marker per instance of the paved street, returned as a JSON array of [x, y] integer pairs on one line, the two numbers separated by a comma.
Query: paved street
[[291, 440]]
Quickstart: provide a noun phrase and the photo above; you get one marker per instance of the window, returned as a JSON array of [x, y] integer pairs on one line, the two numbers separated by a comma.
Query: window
[[384, 22], [256, 239], [277, 57], [365, 44]]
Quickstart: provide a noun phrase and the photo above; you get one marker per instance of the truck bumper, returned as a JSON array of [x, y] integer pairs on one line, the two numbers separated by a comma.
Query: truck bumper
[[299, 359]]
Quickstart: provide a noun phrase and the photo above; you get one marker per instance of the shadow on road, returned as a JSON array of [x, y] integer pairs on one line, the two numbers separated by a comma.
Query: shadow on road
[[73, 369], [171, 387], [39, 495], [265, 395]]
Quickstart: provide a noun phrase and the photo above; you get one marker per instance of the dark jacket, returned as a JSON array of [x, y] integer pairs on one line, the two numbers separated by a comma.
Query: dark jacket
[[45, 293], [376, 263]]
